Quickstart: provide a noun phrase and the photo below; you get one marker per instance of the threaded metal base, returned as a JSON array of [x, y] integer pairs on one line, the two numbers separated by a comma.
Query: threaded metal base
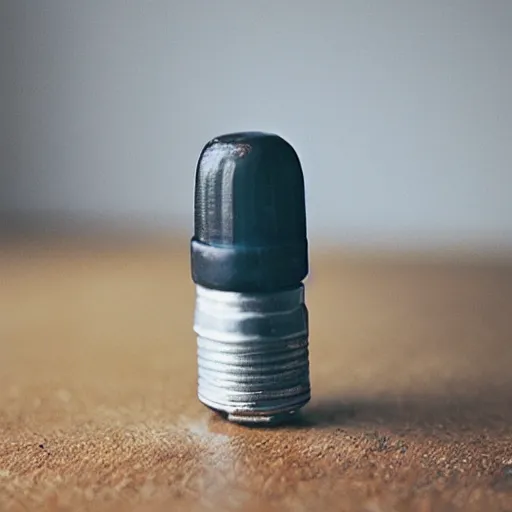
[[252, 352]]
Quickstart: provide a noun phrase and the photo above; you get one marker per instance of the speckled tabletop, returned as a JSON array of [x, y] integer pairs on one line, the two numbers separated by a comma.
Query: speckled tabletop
[[411, 371]]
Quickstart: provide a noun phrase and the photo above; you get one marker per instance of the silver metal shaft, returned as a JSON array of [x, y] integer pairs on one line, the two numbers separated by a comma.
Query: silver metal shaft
[[252, 350]]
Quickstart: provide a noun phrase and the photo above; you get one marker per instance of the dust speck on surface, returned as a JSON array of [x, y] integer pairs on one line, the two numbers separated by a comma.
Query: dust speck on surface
[[199, 428]]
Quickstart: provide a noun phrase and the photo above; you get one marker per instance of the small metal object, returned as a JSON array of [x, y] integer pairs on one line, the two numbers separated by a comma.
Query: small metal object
[[249, 257]]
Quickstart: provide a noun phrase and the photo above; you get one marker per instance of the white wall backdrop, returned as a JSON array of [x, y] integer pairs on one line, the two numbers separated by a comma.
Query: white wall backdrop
[[401, 111]]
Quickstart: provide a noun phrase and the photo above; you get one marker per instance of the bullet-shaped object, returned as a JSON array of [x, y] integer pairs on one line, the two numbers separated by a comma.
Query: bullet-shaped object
[[249, 256]]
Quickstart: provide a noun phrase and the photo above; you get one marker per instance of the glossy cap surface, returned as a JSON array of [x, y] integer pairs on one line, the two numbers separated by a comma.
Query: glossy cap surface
[[249, 217]]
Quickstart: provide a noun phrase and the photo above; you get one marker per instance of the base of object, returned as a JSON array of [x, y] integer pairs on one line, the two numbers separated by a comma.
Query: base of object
[[252, 351], [260, 420], [276, 419]]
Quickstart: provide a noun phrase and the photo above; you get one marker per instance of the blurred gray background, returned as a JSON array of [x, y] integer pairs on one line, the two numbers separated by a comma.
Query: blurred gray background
[[401, 111]]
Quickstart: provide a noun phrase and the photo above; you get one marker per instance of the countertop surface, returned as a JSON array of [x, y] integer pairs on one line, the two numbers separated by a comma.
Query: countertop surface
[[411, 366]]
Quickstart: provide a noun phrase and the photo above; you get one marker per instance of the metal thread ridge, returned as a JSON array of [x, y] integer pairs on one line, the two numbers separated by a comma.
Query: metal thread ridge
[[252, 352]]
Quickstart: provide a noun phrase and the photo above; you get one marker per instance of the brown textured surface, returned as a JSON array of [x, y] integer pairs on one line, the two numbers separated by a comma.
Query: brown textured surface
[[411, 373]]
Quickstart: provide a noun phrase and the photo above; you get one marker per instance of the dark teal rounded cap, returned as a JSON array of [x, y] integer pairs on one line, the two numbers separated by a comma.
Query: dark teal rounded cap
[[249, 216]]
